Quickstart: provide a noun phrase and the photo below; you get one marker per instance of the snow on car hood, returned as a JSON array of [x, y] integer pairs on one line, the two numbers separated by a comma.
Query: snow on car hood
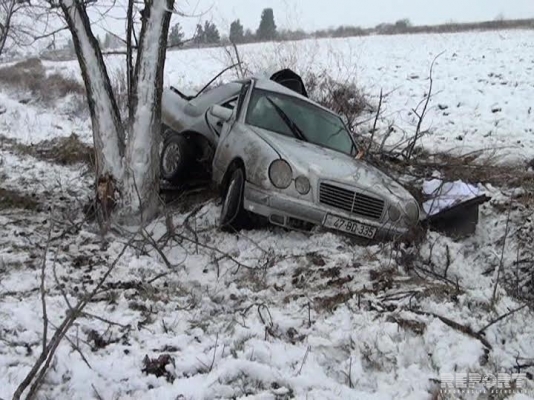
[[330, 164]]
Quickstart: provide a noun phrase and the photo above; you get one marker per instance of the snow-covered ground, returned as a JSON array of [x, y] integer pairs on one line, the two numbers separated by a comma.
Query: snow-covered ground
[[32, 123], [270, 314]]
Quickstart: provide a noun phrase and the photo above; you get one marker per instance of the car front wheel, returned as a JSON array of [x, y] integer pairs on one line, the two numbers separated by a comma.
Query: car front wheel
[[175, 157], [233, 215]]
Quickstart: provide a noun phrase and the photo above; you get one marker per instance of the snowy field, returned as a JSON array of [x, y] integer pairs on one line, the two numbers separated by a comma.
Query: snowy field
[[271, 314], [483, 95]]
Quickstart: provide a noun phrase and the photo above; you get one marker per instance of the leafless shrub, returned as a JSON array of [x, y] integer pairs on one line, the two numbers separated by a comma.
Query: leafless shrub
[[31, 64], [63, 150], [232, 53], [518, 273], [57, 86], [66, 151], [474, 167], [30, 75], [342, 95], [22, 70], [10, 199], [344, 98]]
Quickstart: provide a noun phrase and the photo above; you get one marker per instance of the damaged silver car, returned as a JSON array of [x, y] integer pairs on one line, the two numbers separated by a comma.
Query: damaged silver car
[[277, 154]]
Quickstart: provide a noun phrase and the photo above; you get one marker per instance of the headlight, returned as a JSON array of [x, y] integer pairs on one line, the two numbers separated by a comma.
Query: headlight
[[393, 213], [412, 211], [280, 174], [302, 184]]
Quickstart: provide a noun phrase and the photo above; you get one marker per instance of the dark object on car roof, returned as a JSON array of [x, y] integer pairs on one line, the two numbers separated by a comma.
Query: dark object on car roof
[[290, 80], [284, 77]]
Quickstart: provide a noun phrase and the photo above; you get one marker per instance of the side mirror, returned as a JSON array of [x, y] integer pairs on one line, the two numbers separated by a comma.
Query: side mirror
[[224, 114]]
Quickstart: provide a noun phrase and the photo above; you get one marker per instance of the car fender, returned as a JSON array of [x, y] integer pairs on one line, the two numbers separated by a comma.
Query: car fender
[[256, 154], [175, 116], [172, 111]]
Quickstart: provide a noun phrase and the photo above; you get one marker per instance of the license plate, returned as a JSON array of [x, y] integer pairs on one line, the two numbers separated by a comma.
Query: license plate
[[349, 226]]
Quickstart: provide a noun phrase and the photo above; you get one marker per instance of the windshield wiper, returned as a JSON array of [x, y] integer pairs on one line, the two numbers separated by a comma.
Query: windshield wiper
[[297, 132]]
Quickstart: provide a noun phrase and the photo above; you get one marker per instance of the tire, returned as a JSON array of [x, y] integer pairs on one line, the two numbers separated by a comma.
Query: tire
[[176, 156], [233, 216]]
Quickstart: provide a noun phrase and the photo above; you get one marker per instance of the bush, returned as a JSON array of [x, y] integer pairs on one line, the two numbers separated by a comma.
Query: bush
[[65, 151], [344, 98], [22, 73], [30, 75], [341, 95], [68, 150], [10, 199]]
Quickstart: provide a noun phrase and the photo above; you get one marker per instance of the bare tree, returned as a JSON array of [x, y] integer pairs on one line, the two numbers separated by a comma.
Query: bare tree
[[126, 170], [7, 9], [24, 22]]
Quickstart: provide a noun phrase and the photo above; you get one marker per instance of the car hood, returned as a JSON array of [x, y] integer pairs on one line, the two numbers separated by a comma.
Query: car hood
[[325, 163]]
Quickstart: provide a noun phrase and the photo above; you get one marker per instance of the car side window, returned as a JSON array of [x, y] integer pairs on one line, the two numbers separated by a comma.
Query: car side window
[[230, 104]]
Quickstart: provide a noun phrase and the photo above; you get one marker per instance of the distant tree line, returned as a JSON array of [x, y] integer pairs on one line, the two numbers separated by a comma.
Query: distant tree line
[[208, 34]]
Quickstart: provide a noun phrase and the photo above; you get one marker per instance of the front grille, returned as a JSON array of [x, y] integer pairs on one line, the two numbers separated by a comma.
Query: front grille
[[350, 201]]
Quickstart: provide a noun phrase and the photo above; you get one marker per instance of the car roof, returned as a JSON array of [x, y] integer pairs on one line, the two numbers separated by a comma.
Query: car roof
[[272, 86], [215, 95]]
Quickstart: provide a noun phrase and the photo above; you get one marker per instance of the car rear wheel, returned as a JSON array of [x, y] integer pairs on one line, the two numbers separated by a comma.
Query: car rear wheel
[[175, 157], [233, 215]]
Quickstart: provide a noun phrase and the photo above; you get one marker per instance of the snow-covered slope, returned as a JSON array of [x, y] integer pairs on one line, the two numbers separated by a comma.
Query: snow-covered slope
[[31, 123], [266, 313]]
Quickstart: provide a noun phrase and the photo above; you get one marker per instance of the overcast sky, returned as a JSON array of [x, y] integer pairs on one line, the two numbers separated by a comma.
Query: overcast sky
[[318, 14]]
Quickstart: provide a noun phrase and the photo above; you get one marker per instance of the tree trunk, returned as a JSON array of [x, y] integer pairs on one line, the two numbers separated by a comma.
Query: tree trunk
[[105, 117], [133, 169], [129, 57], [141, 194], [108, 134]]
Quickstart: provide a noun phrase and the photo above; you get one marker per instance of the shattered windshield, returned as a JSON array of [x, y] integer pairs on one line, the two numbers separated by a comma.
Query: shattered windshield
[[318, 126]]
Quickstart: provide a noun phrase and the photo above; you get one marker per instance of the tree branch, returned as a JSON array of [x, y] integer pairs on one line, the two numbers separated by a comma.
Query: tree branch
[[375, 123], [501, 261], [506, 315], [39, 369], [42, 288], [421, 117]]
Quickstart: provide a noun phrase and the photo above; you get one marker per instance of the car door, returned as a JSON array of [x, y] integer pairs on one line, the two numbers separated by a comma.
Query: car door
[[223, 153], [213, 122]]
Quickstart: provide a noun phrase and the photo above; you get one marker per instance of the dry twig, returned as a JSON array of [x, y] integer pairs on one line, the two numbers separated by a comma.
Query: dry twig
[[42, 288], [378, 111], [418, 133], [501, 261], [500, 318], [459, 327], [304, 359], [37, 373]]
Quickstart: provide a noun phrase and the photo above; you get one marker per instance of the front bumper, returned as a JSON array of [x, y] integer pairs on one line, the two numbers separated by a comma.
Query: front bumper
[[298, 214]]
